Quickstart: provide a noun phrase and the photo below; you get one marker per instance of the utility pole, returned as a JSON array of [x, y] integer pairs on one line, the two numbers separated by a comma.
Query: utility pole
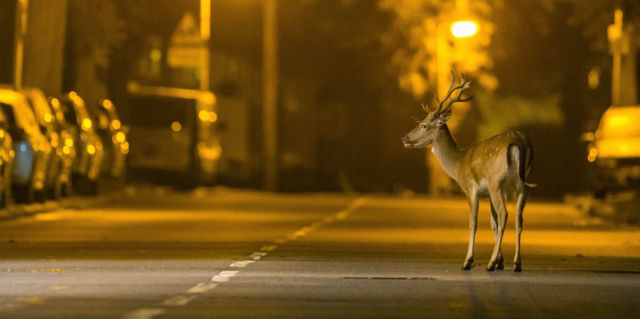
[[615, 34], [205, 34], [623, 74], [18, 42], [270, 92]]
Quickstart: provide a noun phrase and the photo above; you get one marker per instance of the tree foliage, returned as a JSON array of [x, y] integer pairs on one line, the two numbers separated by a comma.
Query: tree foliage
[[413, 37], [95, 25]]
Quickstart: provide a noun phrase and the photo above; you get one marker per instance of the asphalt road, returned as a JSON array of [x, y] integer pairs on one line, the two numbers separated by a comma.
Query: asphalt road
[[215, 253]]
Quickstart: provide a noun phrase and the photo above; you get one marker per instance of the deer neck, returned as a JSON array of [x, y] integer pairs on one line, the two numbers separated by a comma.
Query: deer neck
[[447, 151]]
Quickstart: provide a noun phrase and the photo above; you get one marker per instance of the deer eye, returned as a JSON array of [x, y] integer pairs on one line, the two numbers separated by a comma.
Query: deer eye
[[423, 125]]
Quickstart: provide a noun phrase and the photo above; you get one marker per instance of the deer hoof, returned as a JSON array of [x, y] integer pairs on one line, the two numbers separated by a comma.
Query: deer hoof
[[491, 266], [467, 264], [517, 267], [500, 265]]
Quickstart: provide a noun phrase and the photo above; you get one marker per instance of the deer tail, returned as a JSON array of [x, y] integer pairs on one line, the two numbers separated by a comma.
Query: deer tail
[[524, 160]]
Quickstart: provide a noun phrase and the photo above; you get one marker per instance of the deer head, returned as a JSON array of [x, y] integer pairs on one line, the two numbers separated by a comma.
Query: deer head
[[427, 130]]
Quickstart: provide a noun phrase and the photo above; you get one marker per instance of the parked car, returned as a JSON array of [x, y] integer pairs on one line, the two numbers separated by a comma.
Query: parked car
[[89, 149], [55, 177], [31, 147], [114, 140], [615, 149], [7, 155], [65, 151]]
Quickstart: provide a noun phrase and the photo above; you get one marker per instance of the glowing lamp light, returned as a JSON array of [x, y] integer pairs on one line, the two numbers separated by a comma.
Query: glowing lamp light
[[203, 115], [463, 29], [55, 103], [107, 104], [86, 124], [91, 149], [176, 126], [120, 137]]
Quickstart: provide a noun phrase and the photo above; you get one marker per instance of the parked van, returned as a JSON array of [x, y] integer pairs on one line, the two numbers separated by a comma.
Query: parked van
[[173, 129]]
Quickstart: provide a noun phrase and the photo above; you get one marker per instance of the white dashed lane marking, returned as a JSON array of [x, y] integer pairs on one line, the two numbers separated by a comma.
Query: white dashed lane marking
[[178, 300], [257, 255], [201, 287], [144, 313], [226, 275], [241, 263]]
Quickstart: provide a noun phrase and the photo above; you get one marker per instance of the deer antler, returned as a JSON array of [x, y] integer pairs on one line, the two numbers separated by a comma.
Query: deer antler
[[425, 107], [464, 84]]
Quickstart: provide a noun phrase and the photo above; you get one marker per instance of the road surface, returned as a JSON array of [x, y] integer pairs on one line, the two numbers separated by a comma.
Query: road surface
[[151, 252]]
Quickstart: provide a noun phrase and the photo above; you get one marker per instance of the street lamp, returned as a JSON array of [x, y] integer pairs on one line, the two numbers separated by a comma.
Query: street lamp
[[439, 181], [463, 29]]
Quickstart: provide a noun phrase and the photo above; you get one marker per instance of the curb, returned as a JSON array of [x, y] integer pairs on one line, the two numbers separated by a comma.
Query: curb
[[14, 211]]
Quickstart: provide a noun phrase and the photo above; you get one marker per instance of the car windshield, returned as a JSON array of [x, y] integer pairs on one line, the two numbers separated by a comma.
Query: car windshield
[[8, 111], [20, 115], [620, 122]]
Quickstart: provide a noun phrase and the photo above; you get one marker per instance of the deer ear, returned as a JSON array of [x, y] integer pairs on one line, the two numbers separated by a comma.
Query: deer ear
[[444, 116]]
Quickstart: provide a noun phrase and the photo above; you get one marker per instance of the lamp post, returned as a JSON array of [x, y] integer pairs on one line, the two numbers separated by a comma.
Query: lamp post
[[270, 93], [205, 35], [439, 180], [18, 42]]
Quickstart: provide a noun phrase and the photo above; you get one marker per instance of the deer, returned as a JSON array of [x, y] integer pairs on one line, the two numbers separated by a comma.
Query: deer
[[496, 168]]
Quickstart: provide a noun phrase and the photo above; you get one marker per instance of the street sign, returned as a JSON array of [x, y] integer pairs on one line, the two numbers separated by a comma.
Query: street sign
[[186, 47]]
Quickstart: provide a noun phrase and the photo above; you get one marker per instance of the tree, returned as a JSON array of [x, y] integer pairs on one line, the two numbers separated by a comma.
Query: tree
[[417, 26], [425, 51], [93, 30]]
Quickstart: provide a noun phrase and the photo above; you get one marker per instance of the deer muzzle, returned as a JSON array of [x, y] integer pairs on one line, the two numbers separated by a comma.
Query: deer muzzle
[[406, 141]]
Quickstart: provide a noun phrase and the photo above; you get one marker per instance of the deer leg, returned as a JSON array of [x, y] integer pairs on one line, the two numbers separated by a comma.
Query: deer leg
[[494, 227], [473, 225], [521, 200], [497, 199]]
